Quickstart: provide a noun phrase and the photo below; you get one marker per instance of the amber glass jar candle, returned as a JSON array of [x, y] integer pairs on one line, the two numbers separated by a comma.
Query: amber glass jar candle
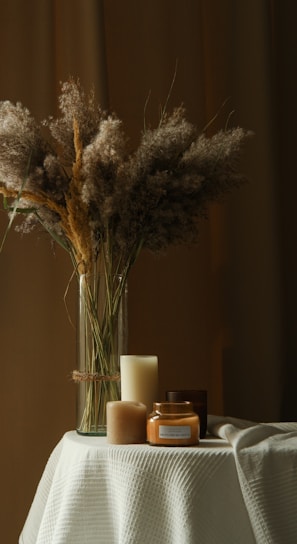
[[173, 424], [199, 399]]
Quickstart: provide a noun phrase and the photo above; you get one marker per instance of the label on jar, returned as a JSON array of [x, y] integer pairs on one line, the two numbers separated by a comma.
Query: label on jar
[[174, 431]]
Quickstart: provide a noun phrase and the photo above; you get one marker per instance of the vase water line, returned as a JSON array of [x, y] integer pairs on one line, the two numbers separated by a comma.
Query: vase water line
[[101, 340]]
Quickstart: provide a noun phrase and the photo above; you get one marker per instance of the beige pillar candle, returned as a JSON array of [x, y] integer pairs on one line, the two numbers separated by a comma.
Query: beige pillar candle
[[126, 422], [139, 379]]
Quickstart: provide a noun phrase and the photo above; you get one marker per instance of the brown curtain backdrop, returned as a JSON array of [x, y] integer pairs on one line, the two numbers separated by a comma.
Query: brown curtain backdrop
[[220, 315]]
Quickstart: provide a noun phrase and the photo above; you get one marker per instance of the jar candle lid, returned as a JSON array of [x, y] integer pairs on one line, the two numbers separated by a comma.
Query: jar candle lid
[[184, 407]]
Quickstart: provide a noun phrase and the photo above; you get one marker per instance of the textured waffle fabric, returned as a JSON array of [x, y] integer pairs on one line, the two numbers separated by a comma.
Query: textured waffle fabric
[[216, 493]]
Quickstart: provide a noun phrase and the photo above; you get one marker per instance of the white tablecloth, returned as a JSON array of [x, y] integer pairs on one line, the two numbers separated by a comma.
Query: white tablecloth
[[266, 460], [216, 493]]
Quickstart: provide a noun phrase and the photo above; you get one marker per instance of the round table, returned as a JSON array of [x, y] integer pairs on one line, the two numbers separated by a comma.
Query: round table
[[92, 492]]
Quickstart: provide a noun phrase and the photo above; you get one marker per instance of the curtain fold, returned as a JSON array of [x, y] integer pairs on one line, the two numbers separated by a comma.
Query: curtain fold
[[42, 43], [284, 46]]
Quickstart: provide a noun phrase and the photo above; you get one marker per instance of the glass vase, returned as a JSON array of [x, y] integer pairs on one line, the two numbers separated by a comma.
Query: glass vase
[[101, 339]]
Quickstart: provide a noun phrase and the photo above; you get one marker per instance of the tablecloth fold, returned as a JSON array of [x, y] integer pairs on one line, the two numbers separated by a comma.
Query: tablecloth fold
[[266, 461]]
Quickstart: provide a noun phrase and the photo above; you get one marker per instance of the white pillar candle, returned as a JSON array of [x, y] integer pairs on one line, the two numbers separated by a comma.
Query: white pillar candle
[[139, 379], [125, 422]]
